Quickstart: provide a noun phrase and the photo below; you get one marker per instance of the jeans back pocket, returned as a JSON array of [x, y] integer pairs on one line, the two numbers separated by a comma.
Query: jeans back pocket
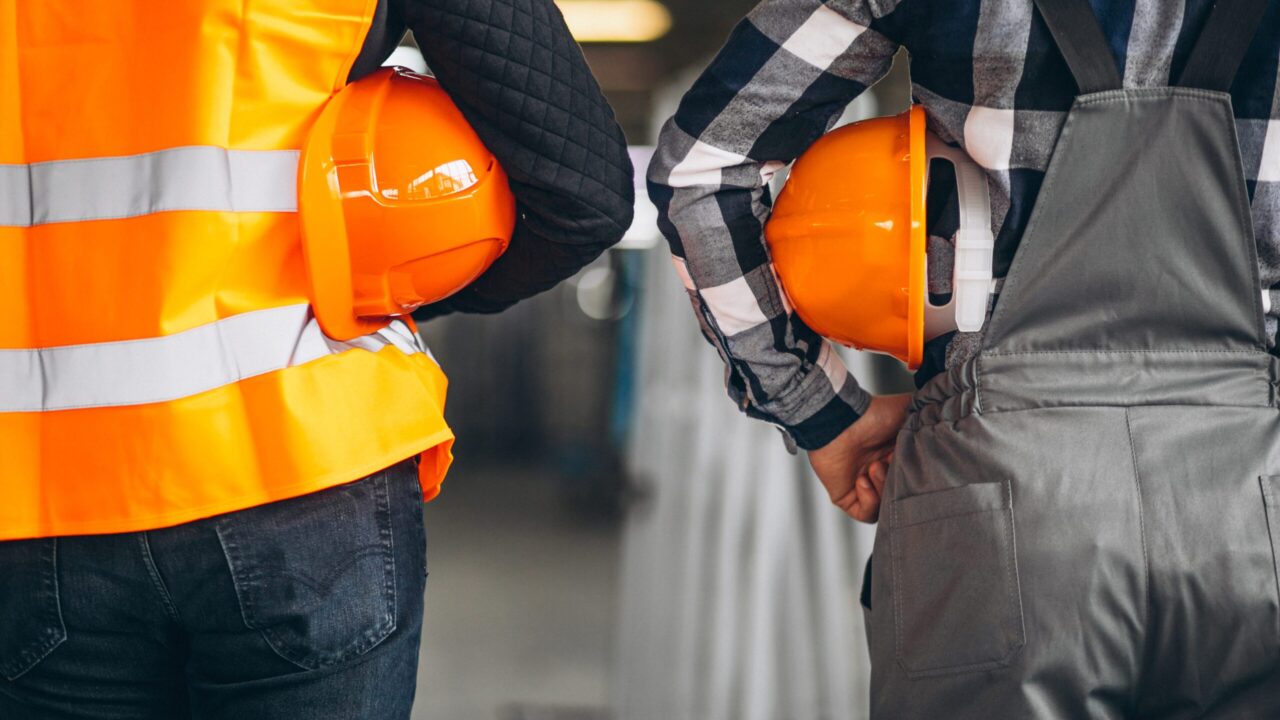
[[956, 601], [30, 611], [315, 575]]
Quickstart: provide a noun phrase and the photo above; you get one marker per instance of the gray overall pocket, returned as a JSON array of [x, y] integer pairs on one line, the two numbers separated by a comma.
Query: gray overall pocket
[[30, 611], [315, 575], [956, 601]]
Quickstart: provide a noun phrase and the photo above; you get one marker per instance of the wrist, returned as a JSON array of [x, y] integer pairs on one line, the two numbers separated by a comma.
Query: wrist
[[829, 423]]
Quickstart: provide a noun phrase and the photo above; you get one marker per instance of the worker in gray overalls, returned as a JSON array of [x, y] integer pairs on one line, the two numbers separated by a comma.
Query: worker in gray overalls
[[1079, 522]]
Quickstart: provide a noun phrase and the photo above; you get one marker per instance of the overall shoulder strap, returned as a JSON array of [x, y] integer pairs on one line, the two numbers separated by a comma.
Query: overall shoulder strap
[[1080, 40], [1222, 44]]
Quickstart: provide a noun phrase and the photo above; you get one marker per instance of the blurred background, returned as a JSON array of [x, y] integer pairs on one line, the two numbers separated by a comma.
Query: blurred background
[[615, 540]]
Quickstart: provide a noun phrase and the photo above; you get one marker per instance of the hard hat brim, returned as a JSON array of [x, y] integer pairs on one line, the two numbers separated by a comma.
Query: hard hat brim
[[325, 242], [916, 273]]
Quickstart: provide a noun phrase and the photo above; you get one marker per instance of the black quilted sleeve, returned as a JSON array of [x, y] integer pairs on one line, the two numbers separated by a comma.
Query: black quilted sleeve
[[521, 81]]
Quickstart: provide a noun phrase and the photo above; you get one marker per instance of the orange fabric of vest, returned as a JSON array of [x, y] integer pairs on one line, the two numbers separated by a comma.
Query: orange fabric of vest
[[158, 359]]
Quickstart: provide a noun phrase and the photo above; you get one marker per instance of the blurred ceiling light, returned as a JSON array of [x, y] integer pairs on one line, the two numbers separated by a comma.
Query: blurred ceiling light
[[617, 21]]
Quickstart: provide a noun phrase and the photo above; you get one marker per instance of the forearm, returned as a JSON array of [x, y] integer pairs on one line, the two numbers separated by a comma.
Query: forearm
[[780, 82]]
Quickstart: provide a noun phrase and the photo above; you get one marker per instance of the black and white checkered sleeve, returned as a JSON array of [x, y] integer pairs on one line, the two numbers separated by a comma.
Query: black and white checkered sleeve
[[780, 82]]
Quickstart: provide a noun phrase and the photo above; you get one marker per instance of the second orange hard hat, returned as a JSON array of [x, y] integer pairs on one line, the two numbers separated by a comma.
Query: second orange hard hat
[[401, 203], [847, 238]]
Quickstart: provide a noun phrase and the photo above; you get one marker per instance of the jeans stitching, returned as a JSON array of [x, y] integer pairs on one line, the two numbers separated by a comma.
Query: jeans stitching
[[148, 560], [246, 575], [389, 564], [56, 632]]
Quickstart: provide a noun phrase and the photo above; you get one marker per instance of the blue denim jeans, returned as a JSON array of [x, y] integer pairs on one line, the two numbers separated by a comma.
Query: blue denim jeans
[[304, 608]]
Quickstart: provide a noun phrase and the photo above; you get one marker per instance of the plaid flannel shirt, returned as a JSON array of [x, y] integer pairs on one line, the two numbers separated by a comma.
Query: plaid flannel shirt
[[990, 79]]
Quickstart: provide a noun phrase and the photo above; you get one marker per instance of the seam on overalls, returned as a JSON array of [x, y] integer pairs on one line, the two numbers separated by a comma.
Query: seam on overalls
[[1154, 93], [915, 423], [1011, 568], [158, 582], [1269, 509], [895, 589], [1142, 536], [1096, 351], [978, 376], [1244, 216], [974, 372]]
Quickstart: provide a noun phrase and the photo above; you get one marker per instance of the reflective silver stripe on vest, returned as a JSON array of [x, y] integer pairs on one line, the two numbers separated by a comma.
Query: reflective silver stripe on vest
[[184, 178], [136, 372]]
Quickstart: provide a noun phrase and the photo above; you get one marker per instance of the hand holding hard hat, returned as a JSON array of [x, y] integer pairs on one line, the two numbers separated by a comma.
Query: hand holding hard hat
[[847, 237], [848, 240], [401, 203]]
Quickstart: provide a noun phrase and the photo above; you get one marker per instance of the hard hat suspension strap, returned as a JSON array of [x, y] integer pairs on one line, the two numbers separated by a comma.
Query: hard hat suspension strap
[[975, 243]]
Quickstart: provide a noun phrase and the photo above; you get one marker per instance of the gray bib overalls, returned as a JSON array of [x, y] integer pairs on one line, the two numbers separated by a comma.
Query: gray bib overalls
[[1082, 521]]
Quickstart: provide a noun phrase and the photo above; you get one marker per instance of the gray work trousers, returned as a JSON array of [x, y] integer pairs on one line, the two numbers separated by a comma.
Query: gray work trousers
[[1080, 522]]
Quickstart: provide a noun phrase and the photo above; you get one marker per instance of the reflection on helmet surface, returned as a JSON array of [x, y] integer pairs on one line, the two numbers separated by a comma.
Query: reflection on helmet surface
[[451, 177]]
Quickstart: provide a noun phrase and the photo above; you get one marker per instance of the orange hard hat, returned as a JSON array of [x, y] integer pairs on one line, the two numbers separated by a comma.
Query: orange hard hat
[[847, 238], [401, 203]]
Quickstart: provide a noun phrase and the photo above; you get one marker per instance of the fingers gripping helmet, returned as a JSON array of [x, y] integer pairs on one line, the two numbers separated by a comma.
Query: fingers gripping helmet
[[401, 203], [847, 238]]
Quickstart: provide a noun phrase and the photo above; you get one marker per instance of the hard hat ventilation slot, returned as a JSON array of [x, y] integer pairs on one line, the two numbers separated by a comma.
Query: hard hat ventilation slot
[[942, 221]]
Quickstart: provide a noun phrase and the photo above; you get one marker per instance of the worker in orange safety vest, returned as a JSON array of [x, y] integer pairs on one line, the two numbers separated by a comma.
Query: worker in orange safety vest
[[217, 421]]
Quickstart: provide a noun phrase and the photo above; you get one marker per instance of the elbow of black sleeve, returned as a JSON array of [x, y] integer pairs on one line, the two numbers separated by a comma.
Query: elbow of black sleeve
[[606, 192], [590, 206], [619, 206], [562, 226], [612, 218], [623, 212]]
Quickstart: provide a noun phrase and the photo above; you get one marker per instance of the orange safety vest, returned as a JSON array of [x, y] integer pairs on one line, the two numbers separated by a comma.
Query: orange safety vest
[[159, 361]]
